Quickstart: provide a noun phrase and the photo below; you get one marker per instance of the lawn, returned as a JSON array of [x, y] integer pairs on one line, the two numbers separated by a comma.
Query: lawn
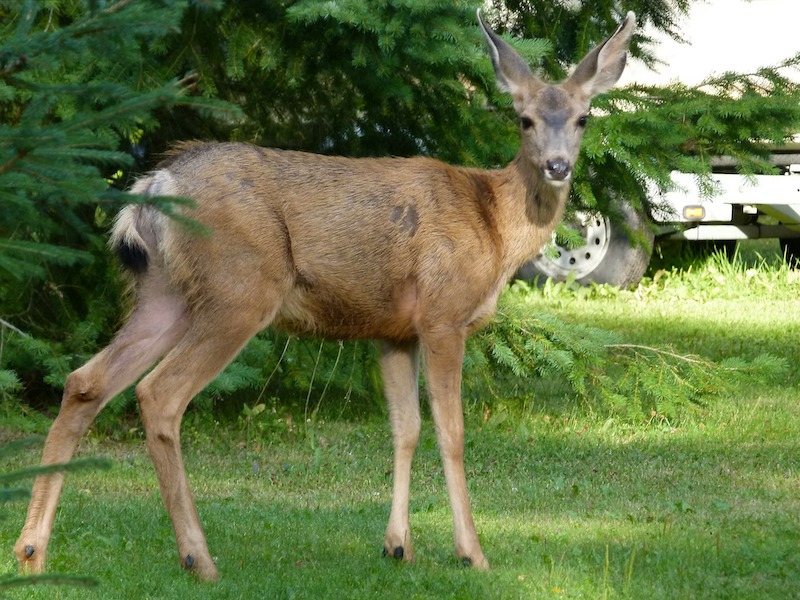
[[570, 501]]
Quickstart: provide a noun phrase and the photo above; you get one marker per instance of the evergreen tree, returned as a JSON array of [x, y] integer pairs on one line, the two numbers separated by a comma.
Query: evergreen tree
[[73, 98], [351, 77]]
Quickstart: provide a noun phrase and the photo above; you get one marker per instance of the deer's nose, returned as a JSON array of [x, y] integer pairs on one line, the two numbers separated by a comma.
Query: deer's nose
[[557, 169]]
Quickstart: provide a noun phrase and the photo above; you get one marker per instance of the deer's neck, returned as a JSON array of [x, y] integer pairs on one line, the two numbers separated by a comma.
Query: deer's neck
[[528, 209]]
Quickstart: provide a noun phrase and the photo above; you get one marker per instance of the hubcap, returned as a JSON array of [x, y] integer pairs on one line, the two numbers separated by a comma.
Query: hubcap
[[594, 228]]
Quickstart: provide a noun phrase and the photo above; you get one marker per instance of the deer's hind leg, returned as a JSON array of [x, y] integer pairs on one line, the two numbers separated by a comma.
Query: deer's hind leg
[[216, 334], [155, 326]]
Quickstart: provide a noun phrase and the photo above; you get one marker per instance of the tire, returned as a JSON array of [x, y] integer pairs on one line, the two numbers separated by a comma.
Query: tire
[[608, 254], [791, 251]]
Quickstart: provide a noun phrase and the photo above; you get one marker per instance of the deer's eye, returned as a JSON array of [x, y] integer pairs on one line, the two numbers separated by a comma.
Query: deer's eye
[[526, 122], [583, 120]]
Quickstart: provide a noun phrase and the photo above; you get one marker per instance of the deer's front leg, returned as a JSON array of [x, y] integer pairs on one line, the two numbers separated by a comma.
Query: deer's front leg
[[443, 355], [400, 369]]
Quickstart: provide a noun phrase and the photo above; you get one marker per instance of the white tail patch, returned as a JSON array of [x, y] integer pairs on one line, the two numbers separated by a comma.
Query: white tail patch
[[135, 227]]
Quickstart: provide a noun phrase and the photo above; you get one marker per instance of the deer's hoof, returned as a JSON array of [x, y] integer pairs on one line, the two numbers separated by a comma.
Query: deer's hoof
[[203, 568], [30, 558], [397, 553], [479, 563]]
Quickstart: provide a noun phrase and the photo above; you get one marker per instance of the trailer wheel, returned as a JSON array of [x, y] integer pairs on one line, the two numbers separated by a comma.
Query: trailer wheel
[[608, 254], [791, 251]]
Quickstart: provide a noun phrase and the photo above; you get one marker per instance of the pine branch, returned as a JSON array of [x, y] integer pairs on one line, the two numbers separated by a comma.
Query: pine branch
[[12, 162], [688, 358], [8, 325], [76, 465], [633, 380]]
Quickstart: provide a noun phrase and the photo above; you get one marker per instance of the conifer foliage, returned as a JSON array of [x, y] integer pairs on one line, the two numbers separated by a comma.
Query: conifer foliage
[[73, 100], [351, 77]]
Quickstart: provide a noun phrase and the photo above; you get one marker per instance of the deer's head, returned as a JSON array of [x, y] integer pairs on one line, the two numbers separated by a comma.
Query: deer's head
[[553, 117]]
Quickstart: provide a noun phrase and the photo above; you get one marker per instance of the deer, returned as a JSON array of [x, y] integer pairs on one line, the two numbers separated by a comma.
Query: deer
[[410, 252]]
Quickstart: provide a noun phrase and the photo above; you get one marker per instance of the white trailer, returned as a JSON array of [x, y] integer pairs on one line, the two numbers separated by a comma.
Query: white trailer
[[742, 208]]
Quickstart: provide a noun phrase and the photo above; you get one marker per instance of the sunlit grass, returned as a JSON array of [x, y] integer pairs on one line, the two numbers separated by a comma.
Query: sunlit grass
[[679, 511]]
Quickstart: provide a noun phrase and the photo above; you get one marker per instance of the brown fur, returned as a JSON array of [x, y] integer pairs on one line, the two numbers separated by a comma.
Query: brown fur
[[412, 252]]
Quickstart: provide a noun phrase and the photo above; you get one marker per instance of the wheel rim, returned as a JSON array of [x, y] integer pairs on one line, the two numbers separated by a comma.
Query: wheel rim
[[595, 229]]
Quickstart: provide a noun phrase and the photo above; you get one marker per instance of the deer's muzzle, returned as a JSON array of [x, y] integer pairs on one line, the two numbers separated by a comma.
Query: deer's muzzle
[[557, 170]]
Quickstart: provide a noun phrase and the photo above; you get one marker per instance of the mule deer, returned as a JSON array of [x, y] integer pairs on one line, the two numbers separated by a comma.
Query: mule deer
[[411, 252]]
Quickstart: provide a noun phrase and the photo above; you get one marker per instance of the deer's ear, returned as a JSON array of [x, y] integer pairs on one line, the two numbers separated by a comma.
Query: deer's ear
[[512, 72], [602, 67]]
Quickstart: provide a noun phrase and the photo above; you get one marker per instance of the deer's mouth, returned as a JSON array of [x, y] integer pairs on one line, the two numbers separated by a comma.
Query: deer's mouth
[[557, 183]]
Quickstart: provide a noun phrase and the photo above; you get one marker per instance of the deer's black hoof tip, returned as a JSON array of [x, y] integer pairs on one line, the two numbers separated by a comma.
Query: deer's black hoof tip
[[466, 562], [397, 553]]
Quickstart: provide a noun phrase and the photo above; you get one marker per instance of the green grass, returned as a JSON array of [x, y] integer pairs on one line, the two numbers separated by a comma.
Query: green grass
[[569, 502]]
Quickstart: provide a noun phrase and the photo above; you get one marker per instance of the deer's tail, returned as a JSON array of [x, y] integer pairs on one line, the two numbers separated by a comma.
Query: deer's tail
[[139, 229]]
